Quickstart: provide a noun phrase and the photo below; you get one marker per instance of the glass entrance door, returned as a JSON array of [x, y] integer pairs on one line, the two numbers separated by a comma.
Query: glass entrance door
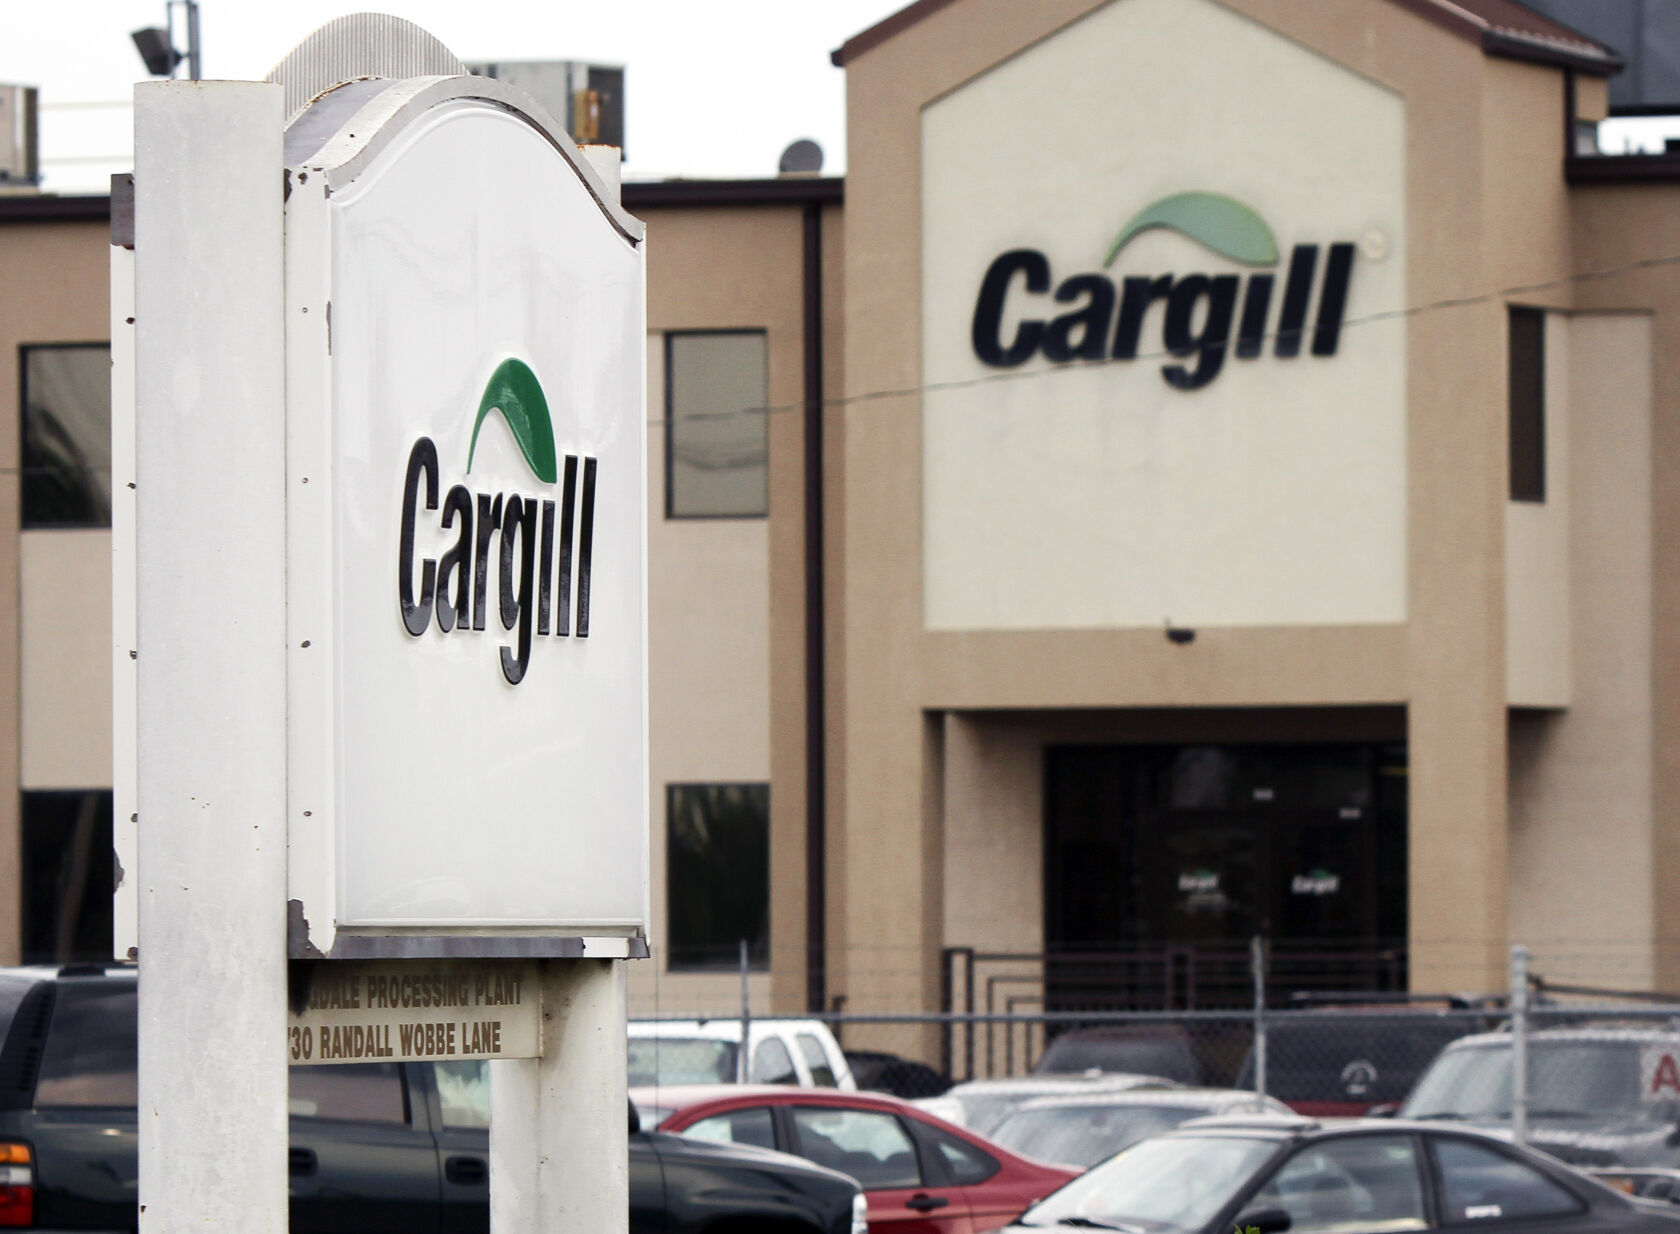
[[1162, 862]]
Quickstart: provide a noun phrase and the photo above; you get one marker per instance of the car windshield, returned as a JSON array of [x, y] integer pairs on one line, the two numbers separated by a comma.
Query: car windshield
[[681, 1060], [1573, 1079], [1083, 1135], [1170, 1183], [983, 1111]]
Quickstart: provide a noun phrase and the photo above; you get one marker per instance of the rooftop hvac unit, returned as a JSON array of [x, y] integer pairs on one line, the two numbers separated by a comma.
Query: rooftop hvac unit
[[19, 141], [587, 99]]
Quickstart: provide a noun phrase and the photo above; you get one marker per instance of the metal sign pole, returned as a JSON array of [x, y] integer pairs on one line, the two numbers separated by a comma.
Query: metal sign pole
[[210, 454]]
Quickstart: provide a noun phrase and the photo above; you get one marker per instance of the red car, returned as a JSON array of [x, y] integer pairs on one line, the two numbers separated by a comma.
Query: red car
[[921, 1174]]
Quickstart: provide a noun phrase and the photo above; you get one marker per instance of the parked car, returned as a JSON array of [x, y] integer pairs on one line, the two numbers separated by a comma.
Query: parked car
[[980, 1105], [1082, 1130], [880, 1072], [919, 1173], [799, 1052], [375, 1147], [1596, 1096], [1136, 1049], [1647, 1184], [1272, 1174], [1347, 1062]]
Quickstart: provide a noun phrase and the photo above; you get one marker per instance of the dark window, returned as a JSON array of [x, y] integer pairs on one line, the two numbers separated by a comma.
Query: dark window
[[772, 1064], [754, 1126], [1478, 1183], [872, 1147], [350, 1092], [717, 865], [717, 428], [67, 876], [816, 1059], [1528, 404], [967, 1165], [92, 1048], [66, 435]]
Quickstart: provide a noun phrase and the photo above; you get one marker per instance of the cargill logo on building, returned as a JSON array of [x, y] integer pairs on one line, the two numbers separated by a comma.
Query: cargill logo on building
[[510, 537], [1107, 323]]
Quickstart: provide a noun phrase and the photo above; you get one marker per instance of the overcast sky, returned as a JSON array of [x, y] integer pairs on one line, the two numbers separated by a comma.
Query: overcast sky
[[713, 87]]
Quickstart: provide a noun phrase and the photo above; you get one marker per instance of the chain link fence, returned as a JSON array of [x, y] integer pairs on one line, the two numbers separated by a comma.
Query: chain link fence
[[1589, 1074]]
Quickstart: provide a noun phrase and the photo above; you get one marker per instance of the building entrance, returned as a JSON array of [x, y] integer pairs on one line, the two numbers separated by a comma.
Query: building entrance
[[1162, 862]]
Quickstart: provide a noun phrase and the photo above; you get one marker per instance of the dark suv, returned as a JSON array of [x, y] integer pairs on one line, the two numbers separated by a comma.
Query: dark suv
[[374, 1146]]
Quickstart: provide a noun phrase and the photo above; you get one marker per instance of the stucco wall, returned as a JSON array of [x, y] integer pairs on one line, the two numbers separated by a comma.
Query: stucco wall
[[1582, 816]]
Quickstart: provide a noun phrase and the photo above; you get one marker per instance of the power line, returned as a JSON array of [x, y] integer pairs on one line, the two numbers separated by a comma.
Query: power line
[[1416, 310]]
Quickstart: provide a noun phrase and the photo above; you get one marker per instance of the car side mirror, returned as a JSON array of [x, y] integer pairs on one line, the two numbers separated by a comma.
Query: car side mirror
[[1262, 1221], [635, 1118]]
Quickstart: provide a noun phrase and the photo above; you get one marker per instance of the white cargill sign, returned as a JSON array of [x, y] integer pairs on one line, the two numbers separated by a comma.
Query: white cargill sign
[[416, 1011], [466, 414]]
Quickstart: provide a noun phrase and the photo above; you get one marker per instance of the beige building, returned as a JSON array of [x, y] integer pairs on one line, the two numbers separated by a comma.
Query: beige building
[[1205, 480]]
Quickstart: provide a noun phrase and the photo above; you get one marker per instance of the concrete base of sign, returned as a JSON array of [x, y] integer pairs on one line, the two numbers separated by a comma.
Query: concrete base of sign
[[559, 1127]]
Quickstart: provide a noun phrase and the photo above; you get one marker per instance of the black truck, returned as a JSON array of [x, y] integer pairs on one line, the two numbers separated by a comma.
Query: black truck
[[374, 1146]]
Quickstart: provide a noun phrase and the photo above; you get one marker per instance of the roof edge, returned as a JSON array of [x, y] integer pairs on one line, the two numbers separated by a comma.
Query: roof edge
[[52, 208], [1493, 40], [645, 194], [781, 191], [885, 29]]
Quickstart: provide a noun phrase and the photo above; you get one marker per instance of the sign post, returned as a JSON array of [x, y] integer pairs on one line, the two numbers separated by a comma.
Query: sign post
[[209, 478], [392, 752]]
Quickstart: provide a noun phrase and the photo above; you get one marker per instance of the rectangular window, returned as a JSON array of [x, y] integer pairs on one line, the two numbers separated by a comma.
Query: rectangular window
[[67, 876], [717, 864], [1528, 404], [717, 438], [66, 401]]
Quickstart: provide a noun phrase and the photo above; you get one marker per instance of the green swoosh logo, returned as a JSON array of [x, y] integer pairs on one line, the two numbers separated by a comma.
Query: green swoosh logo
[[1212, 220], [513, 390]]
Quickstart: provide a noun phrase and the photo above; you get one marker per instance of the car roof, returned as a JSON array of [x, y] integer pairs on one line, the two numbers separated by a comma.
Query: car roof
[[719, 1030], [1193, 1098], [1592, 1035], [1062, 1082], [682, 1097], [1300, 1126]]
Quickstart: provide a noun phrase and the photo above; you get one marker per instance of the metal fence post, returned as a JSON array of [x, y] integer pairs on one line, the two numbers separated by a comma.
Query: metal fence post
[[1519, 1044], [1257, 965], [746, 1019]]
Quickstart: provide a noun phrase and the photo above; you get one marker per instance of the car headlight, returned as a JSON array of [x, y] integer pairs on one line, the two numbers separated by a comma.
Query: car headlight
[[860, 1214]]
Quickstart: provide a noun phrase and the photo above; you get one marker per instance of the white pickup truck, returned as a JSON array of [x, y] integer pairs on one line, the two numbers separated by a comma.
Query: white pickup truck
[[803, 1053]]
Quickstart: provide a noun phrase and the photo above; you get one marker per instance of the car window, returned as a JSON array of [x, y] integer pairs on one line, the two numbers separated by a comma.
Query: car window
[[1478, 1183], [966, 1164], [464, 1093], [681, 1060], [351, 1092], [772, 1064], [1358, 1183], [816, 1060], [754, 1126], [1083, 1135], [1566, 1079], [90, 1058], [871, 1146], [1169, 1183]]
